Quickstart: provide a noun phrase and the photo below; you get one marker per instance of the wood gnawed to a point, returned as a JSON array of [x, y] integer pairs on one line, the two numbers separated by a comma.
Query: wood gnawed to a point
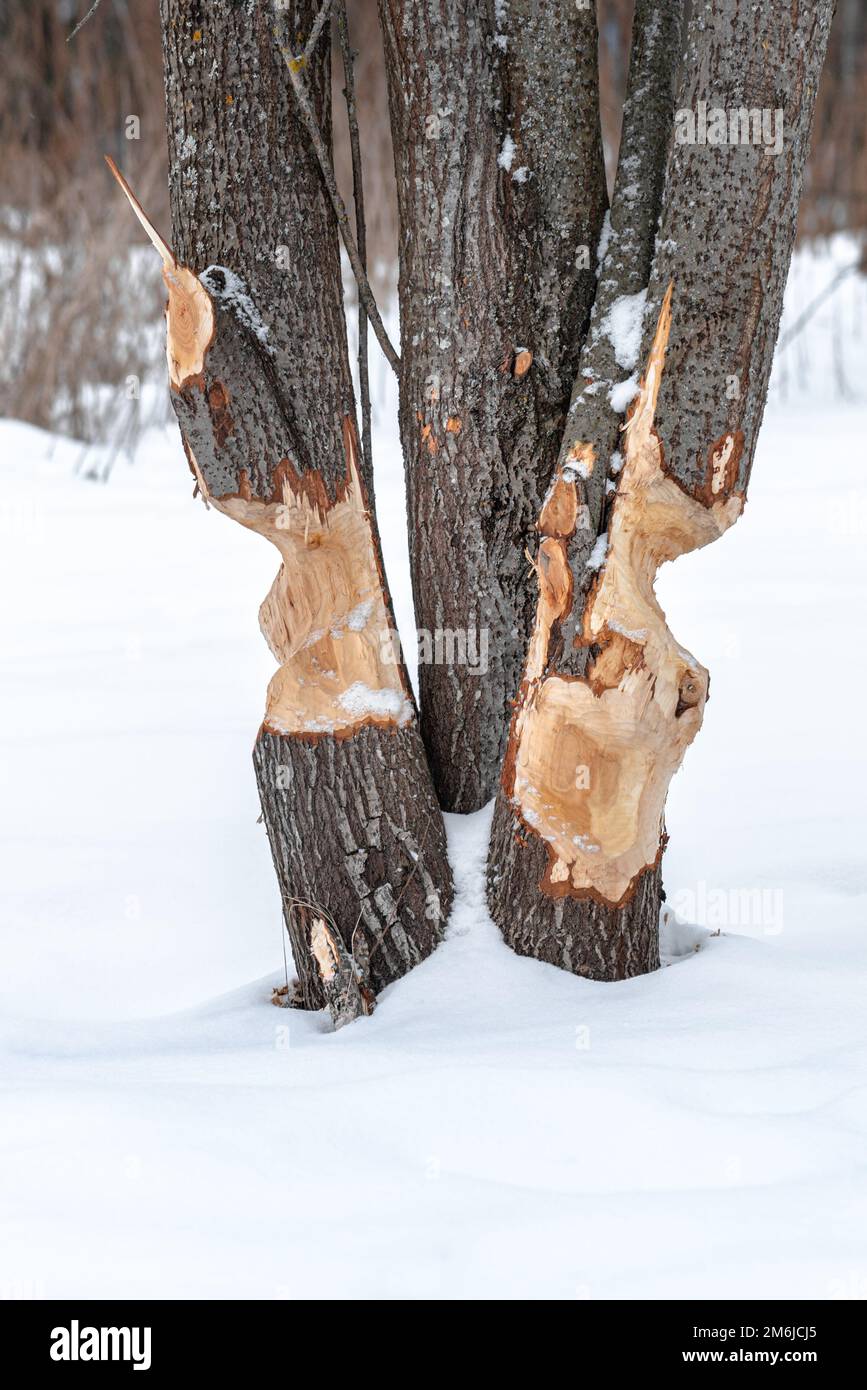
[[189, 312], [593, 756], [325, 617], [263, 394]]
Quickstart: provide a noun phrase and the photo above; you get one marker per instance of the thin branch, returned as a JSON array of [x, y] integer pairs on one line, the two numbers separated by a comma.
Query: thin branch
[[295, 67], [81, 23], [360, 229], [318, 25], [804, 318]]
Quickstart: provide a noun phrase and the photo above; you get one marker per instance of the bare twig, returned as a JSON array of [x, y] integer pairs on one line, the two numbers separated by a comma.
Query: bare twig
[[360, 228], [295, 66], [81, 23], [318, 25], [804, 318]]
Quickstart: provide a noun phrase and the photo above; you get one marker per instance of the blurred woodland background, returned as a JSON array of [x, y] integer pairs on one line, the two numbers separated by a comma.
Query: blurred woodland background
[[81, 297]]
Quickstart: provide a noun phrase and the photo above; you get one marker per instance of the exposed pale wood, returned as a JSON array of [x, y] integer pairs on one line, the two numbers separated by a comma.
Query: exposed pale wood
[[594, 756], [325, 618], [582, 934], [720, 227], [345, 994], [268, 429], [523, 363], [162, 248], [189, 312]]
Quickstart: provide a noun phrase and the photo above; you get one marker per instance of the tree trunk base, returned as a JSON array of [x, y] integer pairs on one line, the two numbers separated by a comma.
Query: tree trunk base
[[577, 934], [357, 841]]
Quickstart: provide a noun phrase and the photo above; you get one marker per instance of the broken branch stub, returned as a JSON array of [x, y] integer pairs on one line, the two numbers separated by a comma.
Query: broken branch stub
[[346, 795], [592, 757], [346, 994], [189, 310]]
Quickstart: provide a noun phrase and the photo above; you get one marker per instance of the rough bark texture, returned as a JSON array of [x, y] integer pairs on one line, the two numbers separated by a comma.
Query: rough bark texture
[[267, 417], [345, 991], [579, 933], [501, 195], [617, 691]]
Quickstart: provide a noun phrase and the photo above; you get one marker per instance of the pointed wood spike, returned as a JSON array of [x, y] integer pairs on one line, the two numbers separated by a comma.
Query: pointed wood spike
[[165, 252]]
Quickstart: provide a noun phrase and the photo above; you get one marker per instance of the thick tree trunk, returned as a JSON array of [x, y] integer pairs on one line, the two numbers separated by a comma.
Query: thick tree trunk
[[572, 931], [262, 390], [610, 701], [501, 194]]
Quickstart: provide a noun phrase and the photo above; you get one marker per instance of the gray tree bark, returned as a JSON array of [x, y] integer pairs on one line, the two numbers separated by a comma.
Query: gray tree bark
[[262, 389], [501, 192], [571, 879]]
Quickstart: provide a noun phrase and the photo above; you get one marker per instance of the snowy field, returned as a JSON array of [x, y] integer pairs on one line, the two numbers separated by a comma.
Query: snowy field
[[498, 1128]]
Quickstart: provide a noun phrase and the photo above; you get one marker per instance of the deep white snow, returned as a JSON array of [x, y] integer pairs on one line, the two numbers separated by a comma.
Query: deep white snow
[[498, 1128]]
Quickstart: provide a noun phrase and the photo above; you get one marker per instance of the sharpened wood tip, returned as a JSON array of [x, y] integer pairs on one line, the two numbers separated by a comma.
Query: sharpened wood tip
[[160, 246]]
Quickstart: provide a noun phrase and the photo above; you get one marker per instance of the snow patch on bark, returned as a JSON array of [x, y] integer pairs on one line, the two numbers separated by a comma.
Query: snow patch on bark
[[506, 157], [623, 325], [604, 241], [231, 292], [596, 558], [622, 393], [501, 15]]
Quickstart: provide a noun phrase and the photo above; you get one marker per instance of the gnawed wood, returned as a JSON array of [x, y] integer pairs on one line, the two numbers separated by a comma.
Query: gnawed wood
[[580, 934], [719, 223], [190, 325], [162, 248], [346, 795], [594, 755], [345, 993], [189, 312], [325, 618]]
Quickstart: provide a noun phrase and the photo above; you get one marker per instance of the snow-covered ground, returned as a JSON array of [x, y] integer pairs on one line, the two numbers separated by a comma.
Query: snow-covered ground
[[498, 1128]]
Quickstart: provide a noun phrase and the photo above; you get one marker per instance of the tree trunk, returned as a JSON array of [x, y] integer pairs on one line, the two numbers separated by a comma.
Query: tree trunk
[[262, 390], [501, 192], [623, 941], [610, 701]]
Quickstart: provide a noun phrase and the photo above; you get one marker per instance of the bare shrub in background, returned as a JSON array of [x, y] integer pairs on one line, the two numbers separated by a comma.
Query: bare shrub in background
[[74, 291], [75, 287], [835, 196], [380, 194]]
